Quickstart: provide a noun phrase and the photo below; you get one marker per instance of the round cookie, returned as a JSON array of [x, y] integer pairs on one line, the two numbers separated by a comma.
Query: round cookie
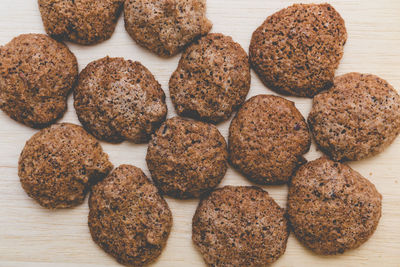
[[83, 22], [267, 139], [331, 207], [128, 218], [297, 50], [36, 75], [212, 79], [118, 99], [357, 118], [240, 226], [59, 164], [187, 158], [165, 27]]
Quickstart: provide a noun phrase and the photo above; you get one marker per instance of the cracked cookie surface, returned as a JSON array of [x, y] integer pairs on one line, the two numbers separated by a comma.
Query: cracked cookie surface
[[118, 100], [187, 158], [239, 226], [212, 79], [36, 75], [84, 22], [297, 50], [59, 164], [165, 27], [128, 218], [267, 139], [331, 207], [357, 118]]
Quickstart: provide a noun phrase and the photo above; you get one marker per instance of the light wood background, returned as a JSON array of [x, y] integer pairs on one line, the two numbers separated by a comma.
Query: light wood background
[[33, 236]]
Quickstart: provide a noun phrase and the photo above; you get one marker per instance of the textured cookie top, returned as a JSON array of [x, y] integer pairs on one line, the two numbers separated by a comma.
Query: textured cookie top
[[358, 117], [297, 50], [59, 163], [267, 139], [118, 100], [186, 157], [331, 207], [36, 75], [165, 27], [239, 226], [128, 218], [80, 21], [212, 79]]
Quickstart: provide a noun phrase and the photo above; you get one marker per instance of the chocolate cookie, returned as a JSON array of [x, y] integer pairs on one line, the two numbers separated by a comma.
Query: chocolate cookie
[[118, 100], [267, 139], [297, 50], [165, 27], [36, 75], [59, 163], [212, 79], [80, 21], [187, 158], [331, 207], [357, 118], [128, 218], [240, 226]]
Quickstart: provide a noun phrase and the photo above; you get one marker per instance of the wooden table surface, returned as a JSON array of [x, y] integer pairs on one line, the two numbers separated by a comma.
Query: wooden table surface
[[33, 236]]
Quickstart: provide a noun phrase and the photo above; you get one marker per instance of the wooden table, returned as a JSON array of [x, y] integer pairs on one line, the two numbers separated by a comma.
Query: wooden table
[[33, 236]]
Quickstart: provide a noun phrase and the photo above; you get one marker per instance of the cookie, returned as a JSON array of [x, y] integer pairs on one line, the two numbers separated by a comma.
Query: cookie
[[187, 158], [331, 207], [357, 118], [36, 75], [240, 226], [128, 218], [118, 100], [267, 139], [83, 22], [165, 27], [297, 50], [59, 164], [212, 79]]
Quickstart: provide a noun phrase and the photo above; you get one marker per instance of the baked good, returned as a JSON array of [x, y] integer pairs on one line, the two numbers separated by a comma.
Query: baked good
[[239, 226], [128, 218], [118, 99], [331, 207], [83, 22], [297, 50], [165, 27], [357, 118], [267, 139], [36, 75], [212, 79], [59, 164], [187, 158]]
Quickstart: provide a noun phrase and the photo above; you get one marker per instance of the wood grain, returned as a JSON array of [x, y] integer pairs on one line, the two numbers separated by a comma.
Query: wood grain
[[33, 236]]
